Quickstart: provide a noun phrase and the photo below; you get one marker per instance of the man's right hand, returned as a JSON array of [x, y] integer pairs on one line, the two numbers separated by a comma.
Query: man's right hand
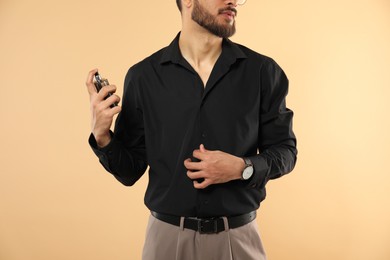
[[101, 113]]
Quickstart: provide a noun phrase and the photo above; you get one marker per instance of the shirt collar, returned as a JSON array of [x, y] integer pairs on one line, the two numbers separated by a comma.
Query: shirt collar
[[230, 52]]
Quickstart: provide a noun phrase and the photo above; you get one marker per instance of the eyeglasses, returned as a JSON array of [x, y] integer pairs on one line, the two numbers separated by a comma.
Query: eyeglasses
[[241, 2]]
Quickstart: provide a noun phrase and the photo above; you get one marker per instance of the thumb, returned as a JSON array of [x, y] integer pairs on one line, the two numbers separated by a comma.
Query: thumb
[[89, 83], [202, 148]]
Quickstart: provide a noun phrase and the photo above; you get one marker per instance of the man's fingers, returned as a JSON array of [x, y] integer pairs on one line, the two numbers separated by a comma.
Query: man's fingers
[[100, 99], [89, 83], [115, 110], [103, 93], [195, 175], [194, 166], [187, 163], [202, 185], [202, 148], [108, 112], [198, 154], [110, 101]]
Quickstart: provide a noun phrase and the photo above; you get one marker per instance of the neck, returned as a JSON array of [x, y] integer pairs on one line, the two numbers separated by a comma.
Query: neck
[[199, 46]]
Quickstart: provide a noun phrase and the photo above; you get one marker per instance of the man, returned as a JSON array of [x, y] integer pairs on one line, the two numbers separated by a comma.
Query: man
[[209, 118]]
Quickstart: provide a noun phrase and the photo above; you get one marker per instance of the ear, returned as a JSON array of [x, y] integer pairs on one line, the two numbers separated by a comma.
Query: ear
[[186, 3]]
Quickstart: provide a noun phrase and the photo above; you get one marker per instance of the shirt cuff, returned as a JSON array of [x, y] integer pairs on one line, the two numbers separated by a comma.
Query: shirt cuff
[[105, 149], [260, 175], [103, 153]]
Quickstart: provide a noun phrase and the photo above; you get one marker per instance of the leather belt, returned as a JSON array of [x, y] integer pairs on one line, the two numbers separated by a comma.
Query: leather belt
[[207, 225]]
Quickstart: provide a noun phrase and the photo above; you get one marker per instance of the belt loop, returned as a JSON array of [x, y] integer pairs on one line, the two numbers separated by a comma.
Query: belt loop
[[182, 223], [226, 223]]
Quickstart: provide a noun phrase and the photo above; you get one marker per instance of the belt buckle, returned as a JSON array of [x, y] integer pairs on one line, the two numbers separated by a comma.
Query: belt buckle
[[208, 226]]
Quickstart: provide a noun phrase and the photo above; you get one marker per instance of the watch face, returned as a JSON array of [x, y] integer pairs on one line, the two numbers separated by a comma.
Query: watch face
[[247, 173]]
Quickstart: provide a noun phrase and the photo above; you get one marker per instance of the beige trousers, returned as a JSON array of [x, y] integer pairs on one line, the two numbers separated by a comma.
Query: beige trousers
[[169, 242]]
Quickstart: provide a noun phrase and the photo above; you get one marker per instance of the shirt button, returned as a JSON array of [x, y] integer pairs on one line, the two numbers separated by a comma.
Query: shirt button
[[204, 135], [206, 202]]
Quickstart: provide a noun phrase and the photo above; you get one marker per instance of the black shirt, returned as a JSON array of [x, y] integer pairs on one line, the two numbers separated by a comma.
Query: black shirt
[[167, 113]]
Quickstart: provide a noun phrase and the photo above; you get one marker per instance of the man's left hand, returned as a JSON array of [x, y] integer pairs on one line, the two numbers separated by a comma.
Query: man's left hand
[[214, 167]]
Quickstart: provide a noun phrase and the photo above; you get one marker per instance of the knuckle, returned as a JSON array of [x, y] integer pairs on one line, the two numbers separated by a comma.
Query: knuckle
[[98, 107], [111, 88], [104, 91], [96, 101], [106, 113]]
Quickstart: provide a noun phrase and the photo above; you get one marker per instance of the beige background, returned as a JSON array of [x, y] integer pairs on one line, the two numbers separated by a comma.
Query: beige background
[[57, 202]]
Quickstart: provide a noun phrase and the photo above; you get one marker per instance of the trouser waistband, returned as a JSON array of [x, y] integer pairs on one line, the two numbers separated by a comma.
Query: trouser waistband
[[207, 225]]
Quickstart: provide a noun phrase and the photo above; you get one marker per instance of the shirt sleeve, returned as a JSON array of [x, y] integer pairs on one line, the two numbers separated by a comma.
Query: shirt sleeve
[[125, 155], [276, 142]]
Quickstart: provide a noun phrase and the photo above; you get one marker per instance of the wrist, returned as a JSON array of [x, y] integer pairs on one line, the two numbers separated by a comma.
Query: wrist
[[240, 168], [102, 140]]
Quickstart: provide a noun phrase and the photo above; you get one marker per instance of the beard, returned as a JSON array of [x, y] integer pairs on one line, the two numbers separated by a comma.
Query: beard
[[210, 23]]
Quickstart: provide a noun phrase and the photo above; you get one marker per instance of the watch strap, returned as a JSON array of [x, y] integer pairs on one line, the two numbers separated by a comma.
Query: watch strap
[[248, 162]]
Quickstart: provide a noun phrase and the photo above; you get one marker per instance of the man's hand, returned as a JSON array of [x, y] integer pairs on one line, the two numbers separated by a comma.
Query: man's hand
[[214, 167], [101, 113]]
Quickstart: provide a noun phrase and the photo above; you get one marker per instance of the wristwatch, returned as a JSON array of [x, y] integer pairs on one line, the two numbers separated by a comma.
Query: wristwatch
[[248, 170]]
